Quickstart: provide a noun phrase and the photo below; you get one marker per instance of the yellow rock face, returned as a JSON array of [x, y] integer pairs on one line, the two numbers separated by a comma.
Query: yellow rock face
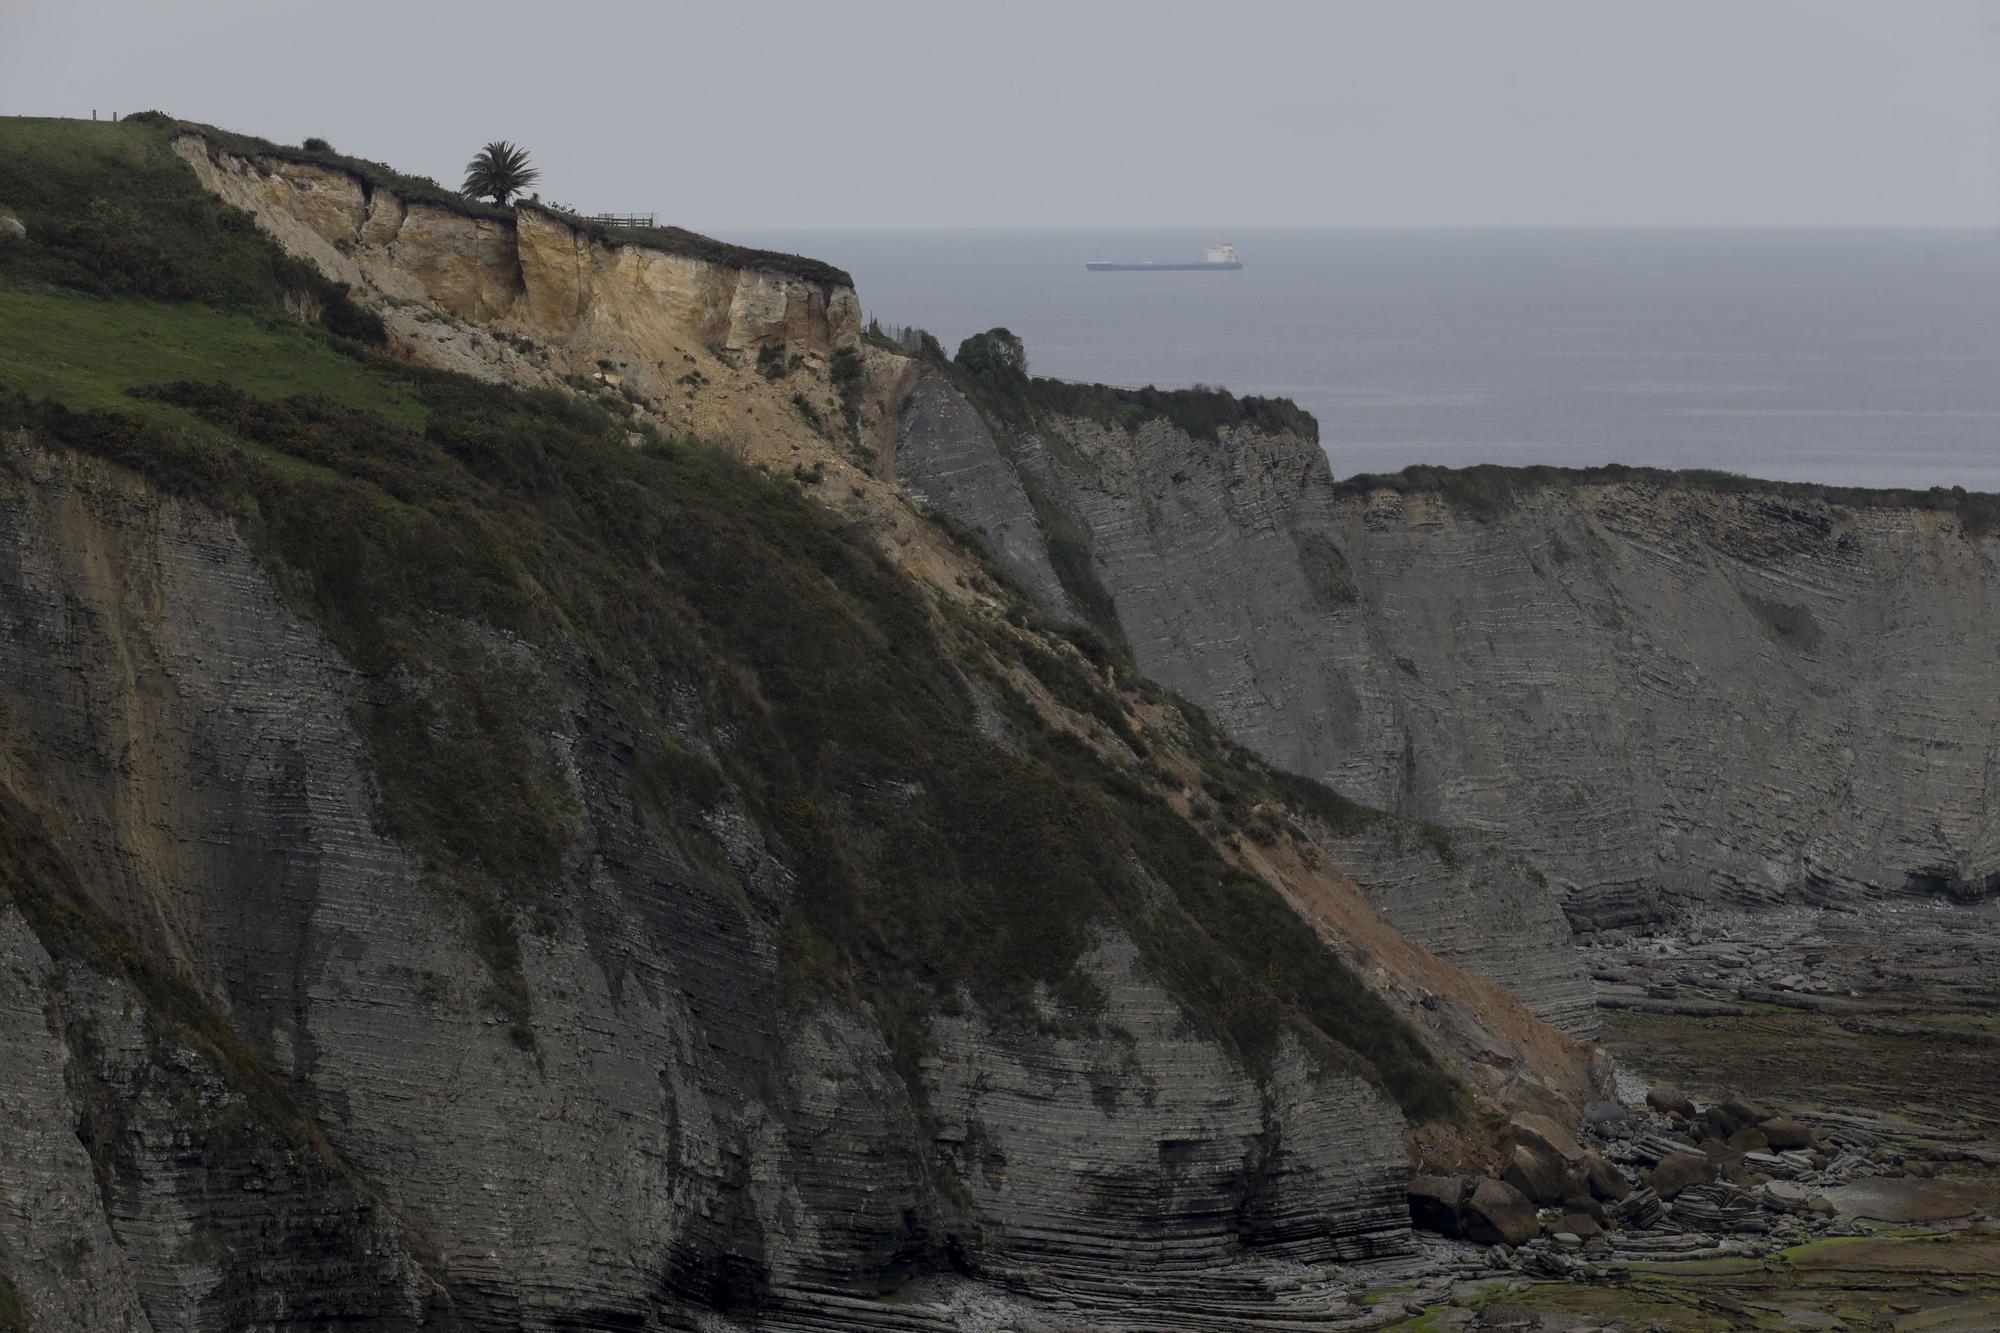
[[468, 266], [537, 276], [533, 300]]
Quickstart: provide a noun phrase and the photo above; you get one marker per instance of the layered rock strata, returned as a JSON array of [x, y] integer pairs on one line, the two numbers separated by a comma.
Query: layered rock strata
[[1662, 693], [1219, 573], [178, 750]]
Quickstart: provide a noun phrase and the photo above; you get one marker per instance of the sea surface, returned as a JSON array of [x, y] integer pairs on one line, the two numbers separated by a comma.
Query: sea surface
[[1866, 358]]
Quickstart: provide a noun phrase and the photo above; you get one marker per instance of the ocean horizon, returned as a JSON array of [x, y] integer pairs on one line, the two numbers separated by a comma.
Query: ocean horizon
[[1861, 357]]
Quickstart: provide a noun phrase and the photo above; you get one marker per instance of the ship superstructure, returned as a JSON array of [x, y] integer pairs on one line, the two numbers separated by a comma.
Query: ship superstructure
[[1221, 257]]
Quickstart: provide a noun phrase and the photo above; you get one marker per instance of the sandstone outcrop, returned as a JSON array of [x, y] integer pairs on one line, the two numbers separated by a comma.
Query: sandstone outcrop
[[546, 274], [531, 296]]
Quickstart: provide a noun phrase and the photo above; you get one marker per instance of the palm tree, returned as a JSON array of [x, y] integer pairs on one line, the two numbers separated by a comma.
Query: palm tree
[[500, 172]]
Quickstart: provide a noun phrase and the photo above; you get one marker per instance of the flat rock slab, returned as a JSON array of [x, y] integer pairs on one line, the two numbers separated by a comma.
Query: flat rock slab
[[1903, 1199]]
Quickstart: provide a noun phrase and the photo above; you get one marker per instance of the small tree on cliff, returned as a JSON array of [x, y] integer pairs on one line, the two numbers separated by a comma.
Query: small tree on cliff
[[500, 172], [996, 354]]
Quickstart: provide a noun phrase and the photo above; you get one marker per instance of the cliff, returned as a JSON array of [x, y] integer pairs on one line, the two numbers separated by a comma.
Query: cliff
[[460, 869], [1666, 692], [1212, 571], [673, 321], [245, 964]]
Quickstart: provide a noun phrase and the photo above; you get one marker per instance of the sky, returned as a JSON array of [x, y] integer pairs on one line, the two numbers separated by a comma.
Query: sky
[[726, 116]]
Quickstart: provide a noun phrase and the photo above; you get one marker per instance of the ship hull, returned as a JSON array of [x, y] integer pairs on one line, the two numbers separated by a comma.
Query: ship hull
[[1162, 268]]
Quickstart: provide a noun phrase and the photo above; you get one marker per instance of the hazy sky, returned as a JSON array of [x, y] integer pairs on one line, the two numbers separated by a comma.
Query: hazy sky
[[723, 116]]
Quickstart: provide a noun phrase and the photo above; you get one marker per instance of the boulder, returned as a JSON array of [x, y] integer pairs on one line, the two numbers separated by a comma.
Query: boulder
[[1782, 1132], [1713, 1125], [12, 229], [1720, 1153], [1582, 1225], [1583, 1203], [1499, 1214], [1612, 1118], [1536, 1174], [1788, 1193], [1434, 1203], [1669, 1100], [1748, 1140], [1540, 1132], [1738, 1114], [1639, 1209], [1676, 1173], [1606, 1181]]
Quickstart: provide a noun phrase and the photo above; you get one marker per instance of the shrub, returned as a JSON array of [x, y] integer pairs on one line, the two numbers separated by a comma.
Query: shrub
[[316, 146], [1328, 581], [992, 369], [1488, 490], [846, 371]]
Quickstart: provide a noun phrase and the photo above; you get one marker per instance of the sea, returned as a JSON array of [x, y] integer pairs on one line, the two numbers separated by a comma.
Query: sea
[[1853, 357]]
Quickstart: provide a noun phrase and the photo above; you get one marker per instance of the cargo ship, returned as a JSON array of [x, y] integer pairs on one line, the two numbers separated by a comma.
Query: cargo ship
[[1217, 259]]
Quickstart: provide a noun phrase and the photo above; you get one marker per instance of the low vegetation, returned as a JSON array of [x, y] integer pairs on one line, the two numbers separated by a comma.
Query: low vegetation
[[1202, 411], [1325, 568], [992, 368], [847, 374], [111, 211], [1487, 491]]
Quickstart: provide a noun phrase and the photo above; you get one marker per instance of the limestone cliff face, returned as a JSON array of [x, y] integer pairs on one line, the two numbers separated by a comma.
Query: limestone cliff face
[[946, 458], [1219, 573], [1670, 696], [1662, 695], [178, 746]]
